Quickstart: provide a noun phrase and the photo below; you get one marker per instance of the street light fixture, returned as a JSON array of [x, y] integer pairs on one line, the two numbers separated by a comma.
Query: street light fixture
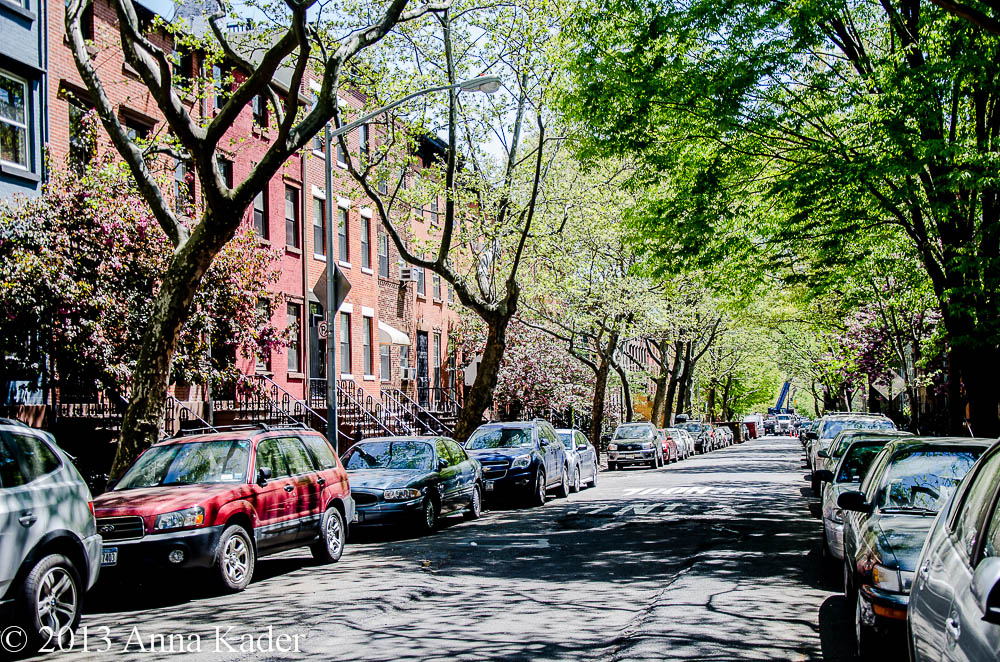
[[484, 84]]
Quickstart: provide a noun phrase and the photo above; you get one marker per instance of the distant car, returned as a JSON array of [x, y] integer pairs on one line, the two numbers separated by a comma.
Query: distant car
[[684, 441], [671, 451], [520, 460], [886, 523], [954, 612], [635, 443], [704, 439], [846, 476], [831, 425], [828, 458], [578, 447], [222, 500], [783, 424], [50, 551], [413, 480], [769, 426]]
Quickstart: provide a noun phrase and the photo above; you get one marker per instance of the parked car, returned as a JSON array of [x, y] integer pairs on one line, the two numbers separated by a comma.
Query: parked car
[[844, 477], [827, 459], [413, 480], [704, 439], [831, 425], [769, 426], [886, 523], [671, 452], [954, 612], [222, 500], [50, 551], [635, 443], [684, 441], [578, 447], [521, 459]]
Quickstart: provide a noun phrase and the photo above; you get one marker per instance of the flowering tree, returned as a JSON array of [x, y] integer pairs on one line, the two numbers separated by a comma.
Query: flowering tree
[[80, 266]]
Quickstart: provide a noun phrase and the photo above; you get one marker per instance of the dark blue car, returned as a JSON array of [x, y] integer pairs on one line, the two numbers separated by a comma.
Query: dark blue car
[[520, 460], [413, 480]]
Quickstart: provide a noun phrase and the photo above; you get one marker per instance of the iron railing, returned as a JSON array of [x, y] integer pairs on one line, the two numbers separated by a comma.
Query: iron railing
[[402, 405], [177, 416], [439, 399]]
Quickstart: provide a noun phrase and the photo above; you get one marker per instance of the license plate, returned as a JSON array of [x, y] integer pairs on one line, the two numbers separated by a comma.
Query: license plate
[[489, 485], [109, 556]]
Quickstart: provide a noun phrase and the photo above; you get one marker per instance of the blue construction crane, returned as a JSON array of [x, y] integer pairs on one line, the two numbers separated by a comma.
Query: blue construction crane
[[783, 400]]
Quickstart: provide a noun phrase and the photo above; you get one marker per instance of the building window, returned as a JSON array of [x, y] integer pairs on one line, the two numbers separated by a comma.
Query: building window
[[260, 110], [404, 358], [14, 121], [226, 171], [451, 293], [341, 155], [260, 220], [436, 281], [318, 143], [434, 211], [86, 22], [437, 360], [292, 217], [383, 187], [319, 228], [219, 75], [82, 139], [136, 130], [383, 255], [366, 243], [369, 357], [363, 148], [421, 285], [294, 346], [183, 187], [385, 363], [345, 343], [343, 252], [183, 61]]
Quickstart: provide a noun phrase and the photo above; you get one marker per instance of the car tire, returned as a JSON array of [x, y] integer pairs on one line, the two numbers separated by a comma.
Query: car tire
[[537, 497], [235, 559], [869, 645], [562, 491], [54, 577], [815, 485], [575, 486], [593, 479], [428, 519], [332, 537], [475, 509]]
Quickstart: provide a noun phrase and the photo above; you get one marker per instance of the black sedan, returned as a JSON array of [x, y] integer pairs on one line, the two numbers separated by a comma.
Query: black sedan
[[413, 479], [886, 523]]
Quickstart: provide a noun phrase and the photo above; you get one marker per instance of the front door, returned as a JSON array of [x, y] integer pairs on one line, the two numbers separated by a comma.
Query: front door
[[317, 346], [423, 375]]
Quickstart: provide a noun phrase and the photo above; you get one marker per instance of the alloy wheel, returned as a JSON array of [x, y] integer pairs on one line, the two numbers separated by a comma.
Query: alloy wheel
[[236, 559], [56, 601], [334, 536]]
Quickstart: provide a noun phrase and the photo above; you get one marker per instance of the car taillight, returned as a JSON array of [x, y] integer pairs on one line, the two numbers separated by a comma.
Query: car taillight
[[90, 504]]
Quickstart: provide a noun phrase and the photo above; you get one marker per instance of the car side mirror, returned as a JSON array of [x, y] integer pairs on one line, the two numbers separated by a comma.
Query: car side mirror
[[262, 475], [809, 435], [442, 464], [855, 502], [986, 588], [823, 454], [824, 476]]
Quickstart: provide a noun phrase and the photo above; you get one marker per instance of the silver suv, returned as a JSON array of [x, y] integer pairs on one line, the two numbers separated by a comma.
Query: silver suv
[[50, 550]]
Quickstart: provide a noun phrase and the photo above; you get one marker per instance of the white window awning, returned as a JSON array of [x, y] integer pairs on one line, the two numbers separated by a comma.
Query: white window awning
[[388, 335]]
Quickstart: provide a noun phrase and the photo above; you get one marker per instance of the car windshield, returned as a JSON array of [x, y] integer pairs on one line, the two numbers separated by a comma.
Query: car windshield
[[923, 479], [691, 427], [404, 455], [849, 436], [186, 464], [484, 438], [567, 439], [634, 432], [834, 427], [856, 462]]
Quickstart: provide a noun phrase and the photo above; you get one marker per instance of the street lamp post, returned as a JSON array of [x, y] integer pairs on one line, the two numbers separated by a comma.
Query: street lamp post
[[485, 84]]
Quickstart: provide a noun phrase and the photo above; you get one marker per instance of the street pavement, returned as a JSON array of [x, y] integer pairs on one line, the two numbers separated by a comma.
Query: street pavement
[[713, 558]]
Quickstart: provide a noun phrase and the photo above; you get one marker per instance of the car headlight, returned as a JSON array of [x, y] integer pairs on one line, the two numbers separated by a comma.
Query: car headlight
[[521, 462], [887, 578], [647, 444], [404, 494], [612, 447], [180, 518]]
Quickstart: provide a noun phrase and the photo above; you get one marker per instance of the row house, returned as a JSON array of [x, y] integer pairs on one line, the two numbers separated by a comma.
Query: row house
[[393, 333], [23, 115]]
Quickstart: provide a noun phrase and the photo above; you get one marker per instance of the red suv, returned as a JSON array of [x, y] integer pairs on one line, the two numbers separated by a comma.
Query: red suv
[[221, 500]]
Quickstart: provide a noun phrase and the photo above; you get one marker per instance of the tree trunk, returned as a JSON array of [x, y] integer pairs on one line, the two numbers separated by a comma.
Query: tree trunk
[[711, 402], [726, 414], [628, 414], [597, 406], [479, 398], [659, 398], [143, 420], [675, 371], [685, 379]]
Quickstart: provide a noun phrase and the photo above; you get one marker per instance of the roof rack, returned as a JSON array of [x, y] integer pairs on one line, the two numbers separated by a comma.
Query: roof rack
[[855, 413], [259, 425]]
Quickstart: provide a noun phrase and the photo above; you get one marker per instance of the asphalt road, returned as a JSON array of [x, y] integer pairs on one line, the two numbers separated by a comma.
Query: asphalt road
[[712, 558]]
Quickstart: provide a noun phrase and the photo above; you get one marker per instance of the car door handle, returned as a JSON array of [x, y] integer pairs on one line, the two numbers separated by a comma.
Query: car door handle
[[925, 570], [289, 488], [27, 519], [953, 628], [321, 480]]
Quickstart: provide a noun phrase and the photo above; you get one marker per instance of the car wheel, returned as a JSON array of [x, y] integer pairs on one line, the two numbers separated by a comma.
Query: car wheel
[[815, 485], [51, 599], [332, 536], [593, 479], [475, 504], [575, 486], [235, 558], [538, 494], [563, 490], [428, 519], [865, 636]]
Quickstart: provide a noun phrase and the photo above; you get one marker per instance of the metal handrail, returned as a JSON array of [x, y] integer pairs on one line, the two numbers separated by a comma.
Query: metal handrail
[[344, 393], [416, 411], [172, 406]]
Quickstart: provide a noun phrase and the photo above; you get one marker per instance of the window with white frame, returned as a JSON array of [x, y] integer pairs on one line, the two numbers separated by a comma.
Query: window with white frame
[[366, 336], [385, 362], [343, 250], [13, 120], [366, 244], [319, 227]]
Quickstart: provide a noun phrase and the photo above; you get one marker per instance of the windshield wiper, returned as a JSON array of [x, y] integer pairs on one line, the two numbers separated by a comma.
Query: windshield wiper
[[909, 509], [175, 483]]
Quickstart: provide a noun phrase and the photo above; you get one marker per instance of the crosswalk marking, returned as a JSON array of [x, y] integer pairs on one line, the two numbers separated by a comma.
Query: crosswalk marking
[[664, 491]]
